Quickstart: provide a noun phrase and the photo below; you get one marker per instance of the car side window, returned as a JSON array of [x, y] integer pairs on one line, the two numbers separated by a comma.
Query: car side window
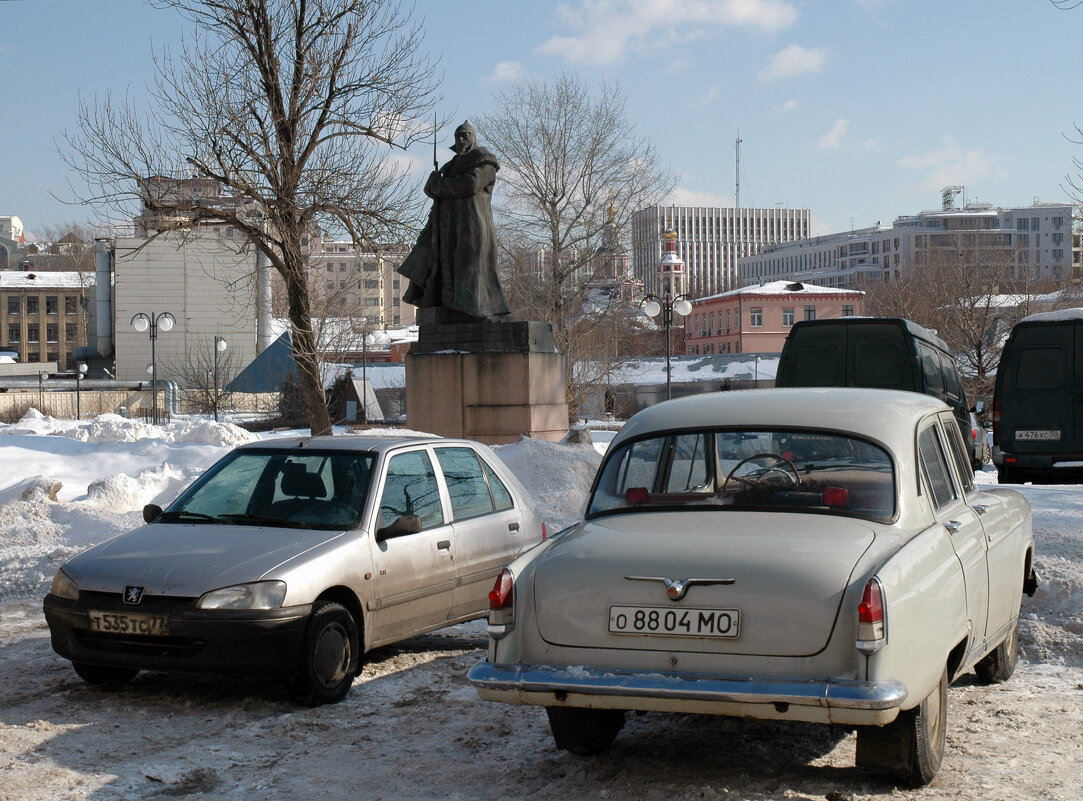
[[935, 466], [959, 455], [411, 489], [465, 481], [930, 366], [501, 497]]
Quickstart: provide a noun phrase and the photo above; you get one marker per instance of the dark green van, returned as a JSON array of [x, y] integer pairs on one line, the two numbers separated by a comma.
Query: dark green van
[[878, 352], [1038, 400]]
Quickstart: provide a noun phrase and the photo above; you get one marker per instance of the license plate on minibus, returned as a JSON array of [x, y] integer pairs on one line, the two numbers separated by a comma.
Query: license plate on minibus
[[676, 622]]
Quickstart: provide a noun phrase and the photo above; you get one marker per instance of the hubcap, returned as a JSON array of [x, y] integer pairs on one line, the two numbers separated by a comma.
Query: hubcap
[[331, 656]]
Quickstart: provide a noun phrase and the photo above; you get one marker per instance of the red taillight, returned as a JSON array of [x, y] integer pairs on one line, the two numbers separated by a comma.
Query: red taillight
[[870, 617], [974, 434], [636, 496], [500, 597], [836, 497]]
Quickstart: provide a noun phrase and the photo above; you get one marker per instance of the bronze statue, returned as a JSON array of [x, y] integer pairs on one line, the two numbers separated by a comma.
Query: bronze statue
[[453, 263]]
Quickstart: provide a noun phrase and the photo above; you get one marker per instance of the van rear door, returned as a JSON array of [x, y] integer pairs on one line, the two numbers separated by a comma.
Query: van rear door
[[1041, 395]]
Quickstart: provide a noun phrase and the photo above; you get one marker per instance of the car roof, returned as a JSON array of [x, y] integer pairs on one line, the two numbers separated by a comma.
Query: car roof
[[886, 415], [919, 331], [380, 443]]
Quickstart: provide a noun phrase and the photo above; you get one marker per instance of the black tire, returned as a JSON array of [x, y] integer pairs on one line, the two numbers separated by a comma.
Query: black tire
[[912, 745], [101, 675], [584, 732], [330, 655], [999, 664]]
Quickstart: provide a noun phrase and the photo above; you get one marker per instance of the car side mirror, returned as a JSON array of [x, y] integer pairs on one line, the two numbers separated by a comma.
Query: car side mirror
[[406, 524], [151, 512], [979, 406]]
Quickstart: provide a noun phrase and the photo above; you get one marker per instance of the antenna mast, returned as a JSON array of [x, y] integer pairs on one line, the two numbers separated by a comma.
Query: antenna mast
[[737, 172]]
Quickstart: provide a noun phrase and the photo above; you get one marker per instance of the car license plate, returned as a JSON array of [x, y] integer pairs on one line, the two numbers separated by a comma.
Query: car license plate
[[1050, 435], [679, 622], [116, 623]]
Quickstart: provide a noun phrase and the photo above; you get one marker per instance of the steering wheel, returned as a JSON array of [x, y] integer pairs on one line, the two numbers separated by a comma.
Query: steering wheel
[[780, 467]]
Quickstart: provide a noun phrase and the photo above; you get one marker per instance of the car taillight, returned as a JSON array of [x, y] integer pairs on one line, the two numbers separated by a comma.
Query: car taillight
[[502, 605], [836, 497], [871, 619]]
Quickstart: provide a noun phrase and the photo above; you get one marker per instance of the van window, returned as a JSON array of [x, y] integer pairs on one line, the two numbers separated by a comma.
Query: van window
[[879, 364], [951, 377], [1041, 367], [930, 368], [818, 366]]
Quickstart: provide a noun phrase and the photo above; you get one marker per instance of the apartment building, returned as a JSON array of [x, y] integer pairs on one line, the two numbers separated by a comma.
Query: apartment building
[[710, 240], [346, 280], [1033, 242], [44, 316]]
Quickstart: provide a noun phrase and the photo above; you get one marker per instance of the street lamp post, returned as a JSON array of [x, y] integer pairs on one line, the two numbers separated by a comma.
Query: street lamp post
[[153, 322], [654, 305], [220, 346], [80, 371], [42, 377]]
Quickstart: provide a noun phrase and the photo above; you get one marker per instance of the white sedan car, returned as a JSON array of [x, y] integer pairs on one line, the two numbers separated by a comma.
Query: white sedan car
[[293, 557], [794, 554]]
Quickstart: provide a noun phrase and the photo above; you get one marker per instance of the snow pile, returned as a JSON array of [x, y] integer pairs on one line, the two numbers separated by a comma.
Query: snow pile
[[122, 493], [558, 475]]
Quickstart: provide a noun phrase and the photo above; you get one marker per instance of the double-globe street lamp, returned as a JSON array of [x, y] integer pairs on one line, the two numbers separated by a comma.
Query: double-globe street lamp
[[153, 322], [654, 305], [80, 373], [220, 346]]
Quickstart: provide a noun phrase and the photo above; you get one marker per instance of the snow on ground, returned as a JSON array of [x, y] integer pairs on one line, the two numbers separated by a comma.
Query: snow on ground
[[413, 727]]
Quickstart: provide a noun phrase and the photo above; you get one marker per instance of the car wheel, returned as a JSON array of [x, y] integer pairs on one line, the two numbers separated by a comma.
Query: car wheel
[[330, 654], [99, 674], [584, 732], [999, 664], [912, 745]]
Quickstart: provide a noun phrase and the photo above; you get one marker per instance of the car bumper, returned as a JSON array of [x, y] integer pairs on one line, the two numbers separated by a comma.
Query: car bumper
[[841, 701], [259, 641]]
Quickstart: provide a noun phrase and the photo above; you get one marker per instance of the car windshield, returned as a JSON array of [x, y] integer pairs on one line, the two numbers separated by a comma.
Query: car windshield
[[791, 470], [295, 489]]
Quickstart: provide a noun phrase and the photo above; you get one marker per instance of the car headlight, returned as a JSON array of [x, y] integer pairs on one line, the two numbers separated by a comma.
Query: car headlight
[[64, 587], [258, 595]]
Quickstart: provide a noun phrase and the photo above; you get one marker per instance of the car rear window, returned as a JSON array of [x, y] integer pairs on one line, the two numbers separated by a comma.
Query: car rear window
[[784, 470]]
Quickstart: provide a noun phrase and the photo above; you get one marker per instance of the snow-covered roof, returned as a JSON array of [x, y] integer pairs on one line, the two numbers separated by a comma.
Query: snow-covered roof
[[784, 288], [20, 279], [1060, 315]]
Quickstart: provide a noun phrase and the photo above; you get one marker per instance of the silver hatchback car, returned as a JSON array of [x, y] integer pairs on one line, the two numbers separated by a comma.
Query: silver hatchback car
[[294, 557]]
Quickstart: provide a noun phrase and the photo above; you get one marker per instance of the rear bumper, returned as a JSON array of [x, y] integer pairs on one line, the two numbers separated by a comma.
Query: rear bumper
[[262, 641], [840, 701]]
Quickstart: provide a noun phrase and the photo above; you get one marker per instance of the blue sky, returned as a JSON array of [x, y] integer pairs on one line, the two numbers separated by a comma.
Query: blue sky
[[859, 110]]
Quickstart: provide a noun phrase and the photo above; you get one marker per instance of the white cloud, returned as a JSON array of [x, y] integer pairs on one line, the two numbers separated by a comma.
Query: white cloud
[[506, 71], [950, 164], [794, 60], [605, 31], [832, 140], [708, 97], [788, 106]]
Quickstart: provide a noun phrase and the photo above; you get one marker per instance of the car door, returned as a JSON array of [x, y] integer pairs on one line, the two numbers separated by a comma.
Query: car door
[[488, 527], [959, 519], [413, 573]]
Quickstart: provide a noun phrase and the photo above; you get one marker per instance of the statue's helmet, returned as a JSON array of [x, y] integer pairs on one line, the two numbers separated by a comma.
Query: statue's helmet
[[466, 138]]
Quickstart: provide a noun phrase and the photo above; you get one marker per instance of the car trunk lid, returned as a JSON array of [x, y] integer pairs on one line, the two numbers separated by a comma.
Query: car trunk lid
[[774, 580]]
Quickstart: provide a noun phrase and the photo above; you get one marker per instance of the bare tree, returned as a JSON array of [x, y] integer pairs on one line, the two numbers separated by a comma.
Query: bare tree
[[204, 373], [292, 107], [572, 172]]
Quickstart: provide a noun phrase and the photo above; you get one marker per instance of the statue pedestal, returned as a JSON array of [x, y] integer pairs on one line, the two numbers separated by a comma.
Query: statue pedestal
[[491, 382]]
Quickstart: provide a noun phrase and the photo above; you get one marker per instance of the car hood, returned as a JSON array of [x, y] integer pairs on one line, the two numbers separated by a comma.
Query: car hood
[[789, 573], [188, 560]]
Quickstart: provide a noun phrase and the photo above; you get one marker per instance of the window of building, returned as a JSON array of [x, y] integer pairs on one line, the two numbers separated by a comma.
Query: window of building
[[331, 285], [847, 311], [1058, 238], [1022, 224], [810, 312], [52, 304], [787, 317], [52, 332], [52, 356], [342, 267], [33, 304], [372, 301], [14, 306], [755, 318], [1057, 223], [32, 333], [33, 356], [71, 304], [372, 284], [1035, 223], [229, 233], [1057, 254], [70, 332], [14, 334], [369, 267]]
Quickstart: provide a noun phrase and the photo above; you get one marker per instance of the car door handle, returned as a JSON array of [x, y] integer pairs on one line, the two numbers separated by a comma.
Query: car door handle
[[953, 526], [443, 545], [513, 526], [979, 508]]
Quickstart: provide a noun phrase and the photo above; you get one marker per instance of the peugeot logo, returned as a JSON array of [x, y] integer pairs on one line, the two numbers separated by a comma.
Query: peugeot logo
[[676, 589], [133, 595]]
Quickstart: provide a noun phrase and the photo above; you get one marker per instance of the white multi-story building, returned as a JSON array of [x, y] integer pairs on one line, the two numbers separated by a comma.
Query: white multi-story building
[[710, 240], [1035, 240]]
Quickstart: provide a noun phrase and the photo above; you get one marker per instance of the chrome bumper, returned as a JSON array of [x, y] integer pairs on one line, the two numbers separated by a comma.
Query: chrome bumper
[[524, 683]]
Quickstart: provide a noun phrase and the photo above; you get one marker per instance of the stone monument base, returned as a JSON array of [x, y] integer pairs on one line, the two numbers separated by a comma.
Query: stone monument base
[[491, 382]]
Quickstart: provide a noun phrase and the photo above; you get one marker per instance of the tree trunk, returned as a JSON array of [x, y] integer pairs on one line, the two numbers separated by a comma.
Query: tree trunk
[[304, 351]]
